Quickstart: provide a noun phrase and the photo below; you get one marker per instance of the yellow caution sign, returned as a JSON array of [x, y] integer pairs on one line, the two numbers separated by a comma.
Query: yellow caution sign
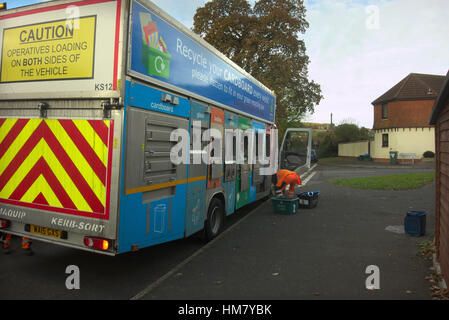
[[56, 50]]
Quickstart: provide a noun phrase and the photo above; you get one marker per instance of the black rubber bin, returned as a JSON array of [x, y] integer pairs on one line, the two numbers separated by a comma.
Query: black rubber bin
[[308, 199]]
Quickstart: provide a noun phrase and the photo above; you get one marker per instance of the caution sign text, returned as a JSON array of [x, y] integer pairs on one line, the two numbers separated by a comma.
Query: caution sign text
[[56, 50]]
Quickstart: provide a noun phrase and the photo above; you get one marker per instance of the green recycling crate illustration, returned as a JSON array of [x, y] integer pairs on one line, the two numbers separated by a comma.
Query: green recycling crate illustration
[[155, 57]]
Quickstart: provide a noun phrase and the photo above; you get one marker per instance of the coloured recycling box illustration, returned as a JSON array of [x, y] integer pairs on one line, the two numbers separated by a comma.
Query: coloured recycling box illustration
[[155, 57]]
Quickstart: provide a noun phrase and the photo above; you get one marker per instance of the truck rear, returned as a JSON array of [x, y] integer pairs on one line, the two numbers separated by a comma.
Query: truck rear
[[61, 122]]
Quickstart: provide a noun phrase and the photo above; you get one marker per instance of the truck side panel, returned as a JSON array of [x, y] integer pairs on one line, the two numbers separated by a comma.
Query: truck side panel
[[153, 190], [229, 178], [243, 170], [257, 190], [197, 172]]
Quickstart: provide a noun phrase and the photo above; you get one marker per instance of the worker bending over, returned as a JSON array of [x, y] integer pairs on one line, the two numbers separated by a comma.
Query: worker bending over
[[285, 178]]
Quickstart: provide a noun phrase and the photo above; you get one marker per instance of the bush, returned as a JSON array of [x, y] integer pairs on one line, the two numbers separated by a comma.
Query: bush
[[429, 154], [328, 147]]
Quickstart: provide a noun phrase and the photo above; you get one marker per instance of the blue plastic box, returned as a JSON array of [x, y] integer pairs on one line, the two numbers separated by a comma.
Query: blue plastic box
[[415, 223]]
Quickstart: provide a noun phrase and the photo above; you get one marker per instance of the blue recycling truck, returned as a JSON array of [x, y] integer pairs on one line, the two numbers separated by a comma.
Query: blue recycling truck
[[101, 86]]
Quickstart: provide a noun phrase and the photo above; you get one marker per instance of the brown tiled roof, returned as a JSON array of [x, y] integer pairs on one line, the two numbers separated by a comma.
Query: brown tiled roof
[[443, 97], [414, 86]]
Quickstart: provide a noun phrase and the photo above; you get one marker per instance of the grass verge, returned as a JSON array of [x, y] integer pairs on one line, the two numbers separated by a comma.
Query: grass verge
[[391, 182]]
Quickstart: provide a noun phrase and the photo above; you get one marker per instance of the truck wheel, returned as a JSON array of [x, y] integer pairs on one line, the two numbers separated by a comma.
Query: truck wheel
[[215, 219]]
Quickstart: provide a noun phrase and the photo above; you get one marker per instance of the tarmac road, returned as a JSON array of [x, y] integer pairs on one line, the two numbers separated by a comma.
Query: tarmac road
[[42, 276], [320, 253]]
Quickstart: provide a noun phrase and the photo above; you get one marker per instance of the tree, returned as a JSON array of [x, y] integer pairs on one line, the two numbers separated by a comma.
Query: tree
[[264, 41], [345, 132], [328, 146], [349, 132], [225, 24]]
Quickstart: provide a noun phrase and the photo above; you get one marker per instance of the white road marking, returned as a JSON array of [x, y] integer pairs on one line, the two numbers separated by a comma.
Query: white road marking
[[395, 229], [310, 176]]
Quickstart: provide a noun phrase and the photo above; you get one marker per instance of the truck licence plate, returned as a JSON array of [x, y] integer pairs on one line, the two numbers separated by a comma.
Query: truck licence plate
[[44, 231]]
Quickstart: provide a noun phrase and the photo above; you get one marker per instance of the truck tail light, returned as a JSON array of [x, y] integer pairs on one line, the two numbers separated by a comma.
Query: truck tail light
[[4, 224], [97, 243]]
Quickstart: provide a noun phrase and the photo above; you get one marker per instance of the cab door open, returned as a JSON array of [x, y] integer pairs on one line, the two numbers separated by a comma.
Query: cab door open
[[295, 151]]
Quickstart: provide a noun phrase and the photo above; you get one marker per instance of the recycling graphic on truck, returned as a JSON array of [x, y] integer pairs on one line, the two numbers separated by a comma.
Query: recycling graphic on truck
[[155, 56], [161, 51]]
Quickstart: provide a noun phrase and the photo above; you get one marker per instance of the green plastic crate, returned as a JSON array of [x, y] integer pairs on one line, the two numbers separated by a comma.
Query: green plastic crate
[[283, 205]]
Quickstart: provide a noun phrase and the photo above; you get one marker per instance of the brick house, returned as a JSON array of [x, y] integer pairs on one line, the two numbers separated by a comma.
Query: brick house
[[401, 118], [440, 118]]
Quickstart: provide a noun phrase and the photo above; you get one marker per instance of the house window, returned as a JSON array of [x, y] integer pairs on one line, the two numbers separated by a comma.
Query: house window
[[384, 111], [385, 140]]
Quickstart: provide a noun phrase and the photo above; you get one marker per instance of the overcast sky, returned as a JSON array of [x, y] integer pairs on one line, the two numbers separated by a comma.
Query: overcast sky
[[358, 48]]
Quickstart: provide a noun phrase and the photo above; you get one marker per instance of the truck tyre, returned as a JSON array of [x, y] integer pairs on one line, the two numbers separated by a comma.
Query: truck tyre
[[215, 219]]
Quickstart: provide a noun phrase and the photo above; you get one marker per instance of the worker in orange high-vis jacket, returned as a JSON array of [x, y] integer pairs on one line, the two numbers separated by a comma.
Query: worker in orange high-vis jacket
[[6, 242], [26, 245], [285, 178]]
